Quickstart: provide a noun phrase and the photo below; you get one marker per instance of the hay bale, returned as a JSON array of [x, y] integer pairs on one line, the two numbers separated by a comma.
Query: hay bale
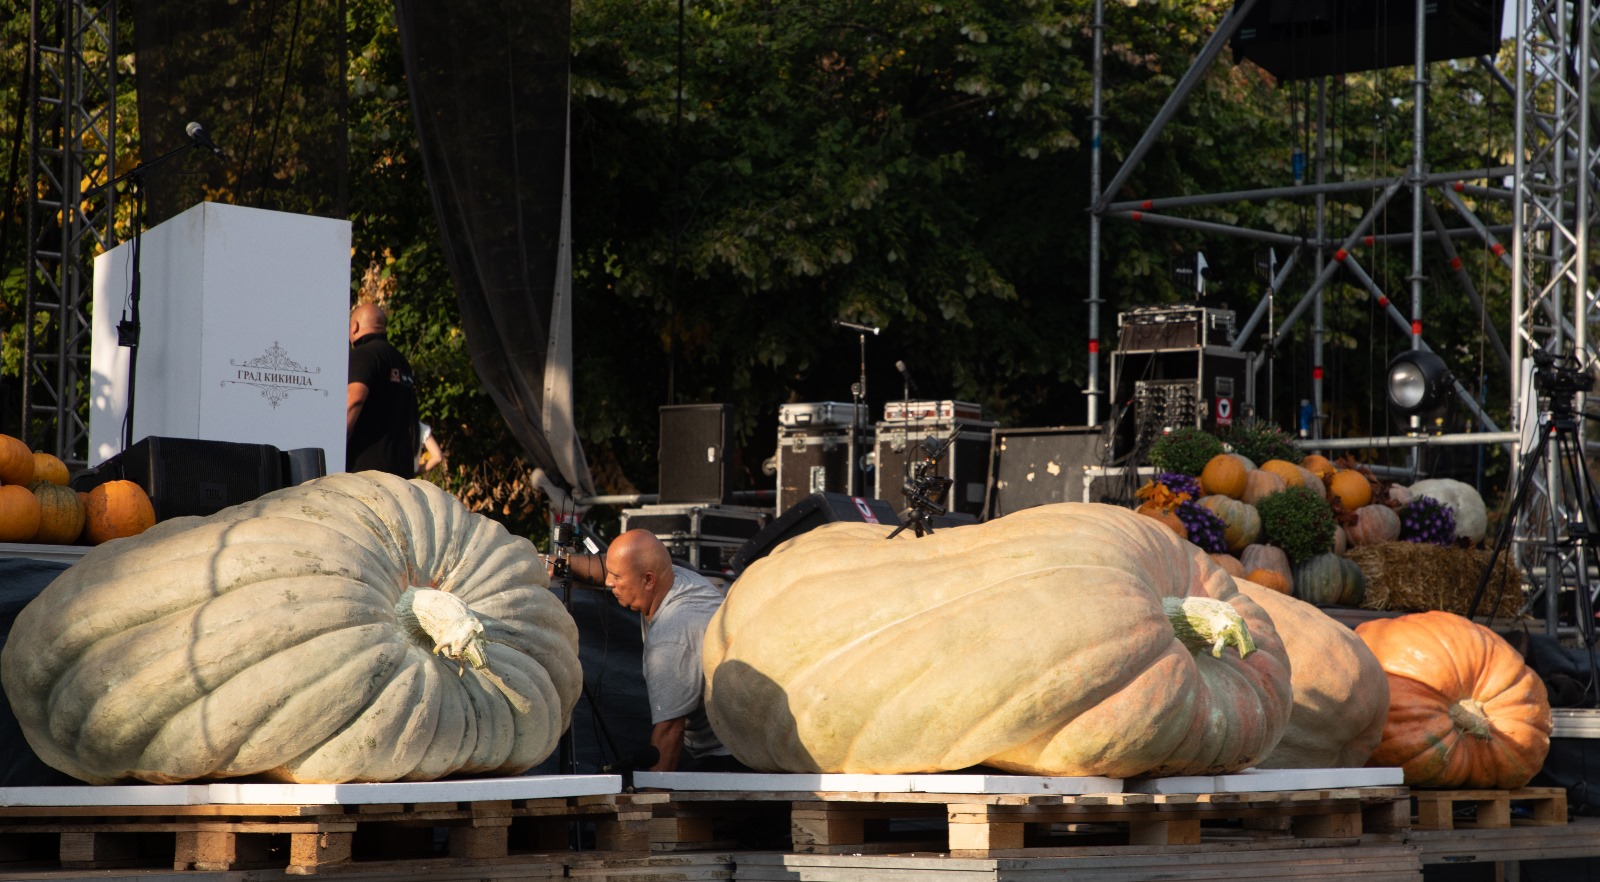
[[1416, 577]]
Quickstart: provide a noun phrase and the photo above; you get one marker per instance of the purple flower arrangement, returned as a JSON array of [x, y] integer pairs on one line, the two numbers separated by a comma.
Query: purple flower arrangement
[[1205, 528], [1428, 520], [1180, 483]]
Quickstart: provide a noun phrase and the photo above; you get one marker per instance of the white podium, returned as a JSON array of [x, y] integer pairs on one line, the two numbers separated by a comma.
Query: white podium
[[245, 318]]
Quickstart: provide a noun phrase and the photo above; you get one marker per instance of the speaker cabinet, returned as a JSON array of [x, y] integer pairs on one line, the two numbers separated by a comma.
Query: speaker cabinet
[[1040, 466], [810, 513], [818, 461], [302, 464], [190, 476], [964, 460], [694, 444]]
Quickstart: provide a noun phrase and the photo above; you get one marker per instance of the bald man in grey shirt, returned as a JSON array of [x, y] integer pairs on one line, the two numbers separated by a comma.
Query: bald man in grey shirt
[[676, 605]]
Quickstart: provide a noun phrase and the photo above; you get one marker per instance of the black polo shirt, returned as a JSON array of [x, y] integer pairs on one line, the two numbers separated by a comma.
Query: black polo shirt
[[385, 436]]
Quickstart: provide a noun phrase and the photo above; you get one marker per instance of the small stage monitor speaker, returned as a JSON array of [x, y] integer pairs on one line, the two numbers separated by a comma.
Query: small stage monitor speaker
[[302, 464], [809, 513], [693, 455], [191, 476]]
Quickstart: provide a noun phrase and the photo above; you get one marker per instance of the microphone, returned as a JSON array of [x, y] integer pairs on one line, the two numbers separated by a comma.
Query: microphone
[[906, 373], [197, 134], [645, 758], [865, 329]]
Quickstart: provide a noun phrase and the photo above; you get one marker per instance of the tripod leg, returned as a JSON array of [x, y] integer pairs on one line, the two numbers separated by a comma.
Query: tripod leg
[[1530, 462]]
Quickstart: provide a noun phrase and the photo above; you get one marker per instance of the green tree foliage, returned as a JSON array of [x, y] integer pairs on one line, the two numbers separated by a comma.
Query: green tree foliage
[[919, 166]]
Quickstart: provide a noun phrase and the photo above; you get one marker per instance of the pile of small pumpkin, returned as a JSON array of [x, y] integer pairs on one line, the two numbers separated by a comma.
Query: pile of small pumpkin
[[1360, 510], [37, 506]]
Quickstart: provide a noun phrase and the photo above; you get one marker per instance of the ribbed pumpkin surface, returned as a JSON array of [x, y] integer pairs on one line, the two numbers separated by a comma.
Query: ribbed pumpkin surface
[[1341, 694], [265, 640], [1465, 710], [1035, 643]]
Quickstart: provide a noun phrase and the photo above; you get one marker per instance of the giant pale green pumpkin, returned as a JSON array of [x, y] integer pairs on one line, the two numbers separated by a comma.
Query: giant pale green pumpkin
[[1071, 639], [359, 627], [1341, 694]]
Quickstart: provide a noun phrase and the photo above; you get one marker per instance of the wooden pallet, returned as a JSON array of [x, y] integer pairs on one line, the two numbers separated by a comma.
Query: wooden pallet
[[1490, 809], [993, 825], [312, 839], [1368, 862]]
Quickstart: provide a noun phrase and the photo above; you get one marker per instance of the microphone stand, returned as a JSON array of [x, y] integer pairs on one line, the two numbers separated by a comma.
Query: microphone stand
[[128, 328]]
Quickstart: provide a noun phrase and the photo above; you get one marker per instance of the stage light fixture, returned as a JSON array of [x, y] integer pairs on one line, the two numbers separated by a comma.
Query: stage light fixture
[[1418, 383]]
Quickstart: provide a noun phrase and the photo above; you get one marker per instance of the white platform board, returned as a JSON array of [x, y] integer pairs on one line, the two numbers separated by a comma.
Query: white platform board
[[1253, 780], [245, 321], [782, 783], [471, 790], [1247, 781]]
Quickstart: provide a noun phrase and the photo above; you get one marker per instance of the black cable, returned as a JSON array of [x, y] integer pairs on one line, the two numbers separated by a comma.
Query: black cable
[[283, 94]]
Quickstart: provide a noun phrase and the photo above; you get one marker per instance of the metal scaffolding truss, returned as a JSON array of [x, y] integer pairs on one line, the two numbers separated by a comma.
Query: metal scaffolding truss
[[1550, 186], [1545, 250], [72, 124]]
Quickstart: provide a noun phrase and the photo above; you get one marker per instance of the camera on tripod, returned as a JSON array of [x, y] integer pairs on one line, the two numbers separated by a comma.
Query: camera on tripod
[[562, 542], [1560, 378]]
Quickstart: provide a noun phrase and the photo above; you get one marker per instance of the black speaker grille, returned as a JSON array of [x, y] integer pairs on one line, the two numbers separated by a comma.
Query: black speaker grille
[[189, 476]]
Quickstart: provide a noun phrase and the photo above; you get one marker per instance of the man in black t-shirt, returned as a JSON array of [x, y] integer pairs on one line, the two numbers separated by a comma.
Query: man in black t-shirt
[[381, 415]]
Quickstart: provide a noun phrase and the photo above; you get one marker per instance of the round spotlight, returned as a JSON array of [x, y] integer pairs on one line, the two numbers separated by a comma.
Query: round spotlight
[[1418, 381]]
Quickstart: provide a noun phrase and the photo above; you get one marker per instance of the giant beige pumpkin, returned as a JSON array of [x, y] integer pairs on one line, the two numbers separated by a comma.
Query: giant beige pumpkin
[[1045, 642], [1341, 693], [278, 638]]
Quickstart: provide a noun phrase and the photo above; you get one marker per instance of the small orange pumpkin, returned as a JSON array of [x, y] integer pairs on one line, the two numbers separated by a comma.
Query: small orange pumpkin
[[16, 462], [60, 514], [1224, 475], [1271, 558], [1351, 488], [1167, 517], [1270, 579], [1229, 564], [48, 467], [1292, 475], [1374, 524], [19, 513], [118, 509], [1318, 465], [1260, 484], [1465, 710]]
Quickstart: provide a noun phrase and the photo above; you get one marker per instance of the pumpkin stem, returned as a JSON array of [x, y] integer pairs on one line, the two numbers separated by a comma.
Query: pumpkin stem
[[1204, 623], [1468, 716], [455, 632]]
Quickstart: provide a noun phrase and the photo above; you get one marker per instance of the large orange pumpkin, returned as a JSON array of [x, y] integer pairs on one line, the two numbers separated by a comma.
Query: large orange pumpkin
[[49, 467], [1224, 475], [117, 509], [19, 513], [16, 462], [1465, 710], [60, 514], [1292, 475], [1351, 488]]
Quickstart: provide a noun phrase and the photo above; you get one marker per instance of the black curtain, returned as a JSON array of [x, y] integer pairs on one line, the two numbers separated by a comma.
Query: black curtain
[[266, 80], [488, 81]]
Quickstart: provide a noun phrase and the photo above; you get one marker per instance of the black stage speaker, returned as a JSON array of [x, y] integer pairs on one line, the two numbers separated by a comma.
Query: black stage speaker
[[694, 444], [190, 476], [1032, 467], [302, 464], [1298, 39], [810, 513]]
